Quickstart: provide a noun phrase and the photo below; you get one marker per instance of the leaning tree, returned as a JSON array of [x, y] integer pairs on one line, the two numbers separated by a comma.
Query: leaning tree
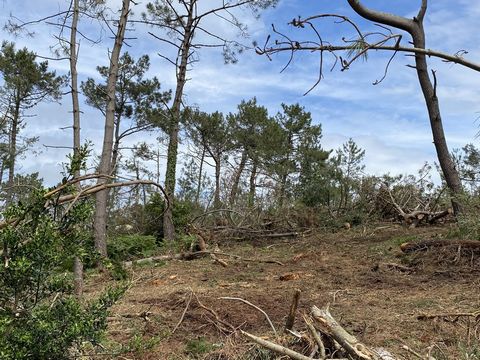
[[383, 38]]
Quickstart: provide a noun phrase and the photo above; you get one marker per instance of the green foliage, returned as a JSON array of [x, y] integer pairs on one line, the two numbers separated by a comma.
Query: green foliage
[[22, 186], [183, 212], [130, 247], [39, 316], [136, 98], [54, 329], [139, 344], [193, 186]]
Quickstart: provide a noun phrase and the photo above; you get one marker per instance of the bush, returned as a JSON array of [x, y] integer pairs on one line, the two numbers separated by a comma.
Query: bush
[[129, 247], [54, 330], [39, 317], [182, 214]]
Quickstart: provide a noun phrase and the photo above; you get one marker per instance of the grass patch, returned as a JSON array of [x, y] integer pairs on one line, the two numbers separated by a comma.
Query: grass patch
[[198, 347]]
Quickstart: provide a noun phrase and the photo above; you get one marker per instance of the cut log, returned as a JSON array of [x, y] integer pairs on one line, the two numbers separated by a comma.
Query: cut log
[[348, 342], [424, 245]]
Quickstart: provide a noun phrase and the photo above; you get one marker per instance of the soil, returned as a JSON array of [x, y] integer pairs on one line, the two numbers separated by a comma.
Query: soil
[[350, 270]]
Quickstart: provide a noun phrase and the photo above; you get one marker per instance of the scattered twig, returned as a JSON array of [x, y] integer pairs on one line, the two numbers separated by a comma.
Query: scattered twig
[[184, 312], [255, 307]]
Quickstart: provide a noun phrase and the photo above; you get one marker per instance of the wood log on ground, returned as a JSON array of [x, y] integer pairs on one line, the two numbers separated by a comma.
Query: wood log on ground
[[424, 245], [187, 256], [350, 343]]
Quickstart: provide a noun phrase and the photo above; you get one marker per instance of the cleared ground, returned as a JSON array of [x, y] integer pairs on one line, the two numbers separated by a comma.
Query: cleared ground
[[349, 270]]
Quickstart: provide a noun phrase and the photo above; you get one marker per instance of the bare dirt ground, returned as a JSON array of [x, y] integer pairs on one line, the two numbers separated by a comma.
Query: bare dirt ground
[[347, 270]]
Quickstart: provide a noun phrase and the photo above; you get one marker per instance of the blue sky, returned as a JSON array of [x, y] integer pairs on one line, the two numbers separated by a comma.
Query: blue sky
[[388, 120]]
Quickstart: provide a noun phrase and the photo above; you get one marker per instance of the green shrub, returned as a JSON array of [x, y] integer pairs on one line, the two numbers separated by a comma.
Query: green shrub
[[183, 212], [39, 316], [130, 247]]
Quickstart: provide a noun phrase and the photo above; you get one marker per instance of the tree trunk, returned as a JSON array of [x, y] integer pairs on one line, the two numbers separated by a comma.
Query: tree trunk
[[216, 199], [283, 188], [236, 179], [77, 262], [170, 176], [200, 173], [447, 165], [12, 153], [253, 185], [415, 28], [100, 223]]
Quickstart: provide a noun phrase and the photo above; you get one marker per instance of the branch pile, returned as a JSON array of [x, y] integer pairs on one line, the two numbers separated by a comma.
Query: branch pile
[[324, 339], [233, 225]]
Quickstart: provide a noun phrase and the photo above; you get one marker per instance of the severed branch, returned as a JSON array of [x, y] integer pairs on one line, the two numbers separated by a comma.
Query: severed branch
[[275, 347], [424, 245], [184, 312], [475, 314], [338, 337], [350, 343], [316, 336], [54, 198], [255, 307]]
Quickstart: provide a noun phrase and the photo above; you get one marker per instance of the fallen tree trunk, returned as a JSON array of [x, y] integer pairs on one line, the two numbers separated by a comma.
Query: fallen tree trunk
[[424, 245], [187, 256]]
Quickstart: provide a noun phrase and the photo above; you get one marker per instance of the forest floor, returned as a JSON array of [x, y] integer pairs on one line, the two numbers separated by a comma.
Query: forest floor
[[347, 270]]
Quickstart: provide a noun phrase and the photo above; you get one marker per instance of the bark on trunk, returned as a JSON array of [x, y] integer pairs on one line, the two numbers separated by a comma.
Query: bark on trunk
[[415, 28], [445, 160], [236, 179], [200, 173], [253, 186], [12, 153], [77, 263], [216, 199], [170, 176], [100, 223]]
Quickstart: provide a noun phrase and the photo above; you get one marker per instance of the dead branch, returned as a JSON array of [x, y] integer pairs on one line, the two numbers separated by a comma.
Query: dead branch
[[316, 336], [275, 347], [394, 266], [230, 327], [475, 314], [220, 261], [255, 307], [184, 312], [424, 245], [352, 346], [413, 218], [338, 337]]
